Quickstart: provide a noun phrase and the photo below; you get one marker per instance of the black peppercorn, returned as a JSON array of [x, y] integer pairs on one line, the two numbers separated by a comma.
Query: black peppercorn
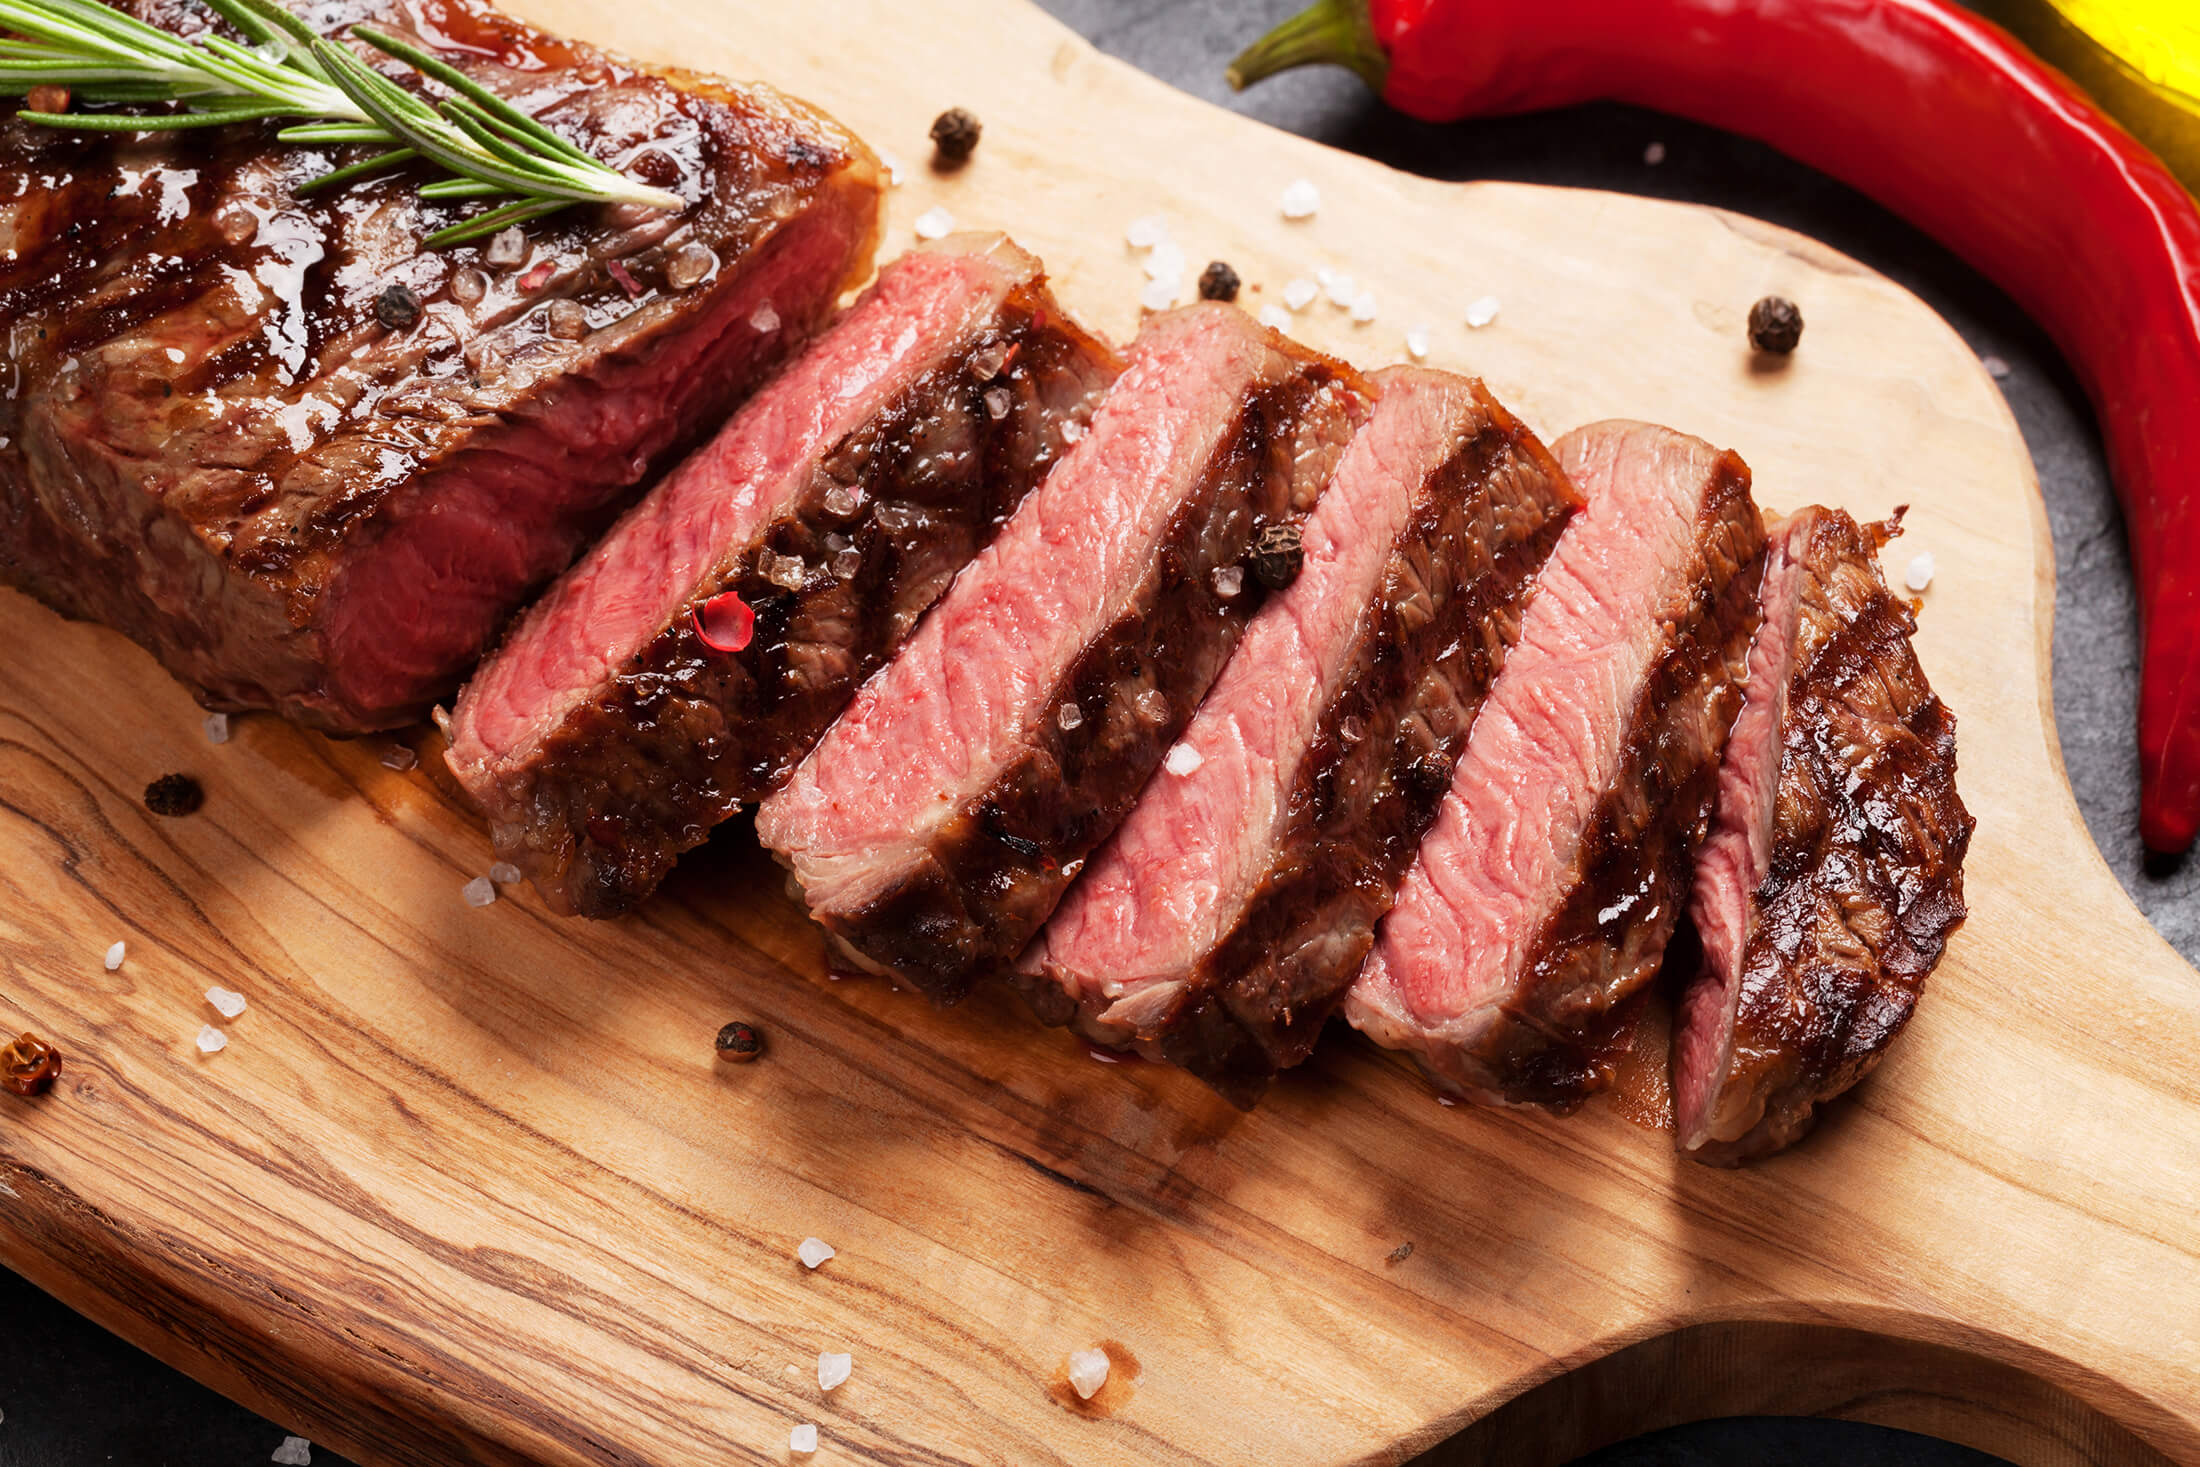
[[1218, 282], [954, 137], [1775, 325], [174, 794], [397, 307], [738, 1043], [1276, 556], [29, 1065]]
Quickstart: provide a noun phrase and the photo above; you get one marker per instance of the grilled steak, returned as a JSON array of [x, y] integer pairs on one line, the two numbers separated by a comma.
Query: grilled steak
[[608, 735], [934, 827], [1221, 924], [1544, 895], [1834, 873], [314, 467]]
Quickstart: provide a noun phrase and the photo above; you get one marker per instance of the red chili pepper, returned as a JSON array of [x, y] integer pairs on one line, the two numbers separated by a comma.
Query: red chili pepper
[[1947, 120], [725, 622]]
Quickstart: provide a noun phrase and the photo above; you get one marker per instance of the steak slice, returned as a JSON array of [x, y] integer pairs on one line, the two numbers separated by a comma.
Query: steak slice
[[1834, 873], [1542, 899], [607, 735], [313, 466], [935, 826], [1223, 921]]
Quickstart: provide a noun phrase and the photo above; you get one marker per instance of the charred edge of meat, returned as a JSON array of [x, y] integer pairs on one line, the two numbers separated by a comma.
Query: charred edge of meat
[[976, 900], [714, 730], [1361, 805]]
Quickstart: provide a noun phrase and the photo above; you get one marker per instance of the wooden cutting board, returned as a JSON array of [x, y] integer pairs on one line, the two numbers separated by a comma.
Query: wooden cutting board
[[468, 1186]]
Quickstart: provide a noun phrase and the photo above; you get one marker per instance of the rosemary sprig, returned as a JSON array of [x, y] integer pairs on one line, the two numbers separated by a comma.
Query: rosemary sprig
[[492, 149]]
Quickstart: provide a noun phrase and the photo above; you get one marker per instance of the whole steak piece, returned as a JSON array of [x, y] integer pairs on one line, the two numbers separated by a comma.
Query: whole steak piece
[[615, 727], [1542, 900], [1834, 873], [1222, 923], [936, 825], [314, 467]]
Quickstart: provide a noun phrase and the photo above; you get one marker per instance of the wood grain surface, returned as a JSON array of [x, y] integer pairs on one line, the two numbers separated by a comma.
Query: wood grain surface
[[468, 1186]]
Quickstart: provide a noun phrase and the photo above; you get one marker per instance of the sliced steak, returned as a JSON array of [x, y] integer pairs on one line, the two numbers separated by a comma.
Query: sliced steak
[[614, 728], [935, 826], [1544, 895], [1834, 873], [313, 466], [1221, 924]]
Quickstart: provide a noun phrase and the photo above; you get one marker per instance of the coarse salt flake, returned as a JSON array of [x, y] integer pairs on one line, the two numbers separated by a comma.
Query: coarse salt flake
[[115, 955], [1300, 293], [1183, 759], [227, 1001], [893, 169], [1088, 1371], [217, 728], [1146, 231], [764, 318], [1363, 307], [504, 873], [1228, 580], [1300, 199], [997, 403], [832, 1369], [479, 892], [1166, 262], [803, 1439], [212, 1040], [400, 758], [1482, 312], [1338, 287], [1417, 342], [1995, 367], [1274, 317], [1159, 295], [1068, 717], [935, 223], [1654, 154], [295, 1451], [813, 1251], [1920, 573]]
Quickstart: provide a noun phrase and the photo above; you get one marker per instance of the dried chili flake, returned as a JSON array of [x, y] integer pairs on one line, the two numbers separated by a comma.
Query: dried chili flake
[[1218, 282], [29, 1065], [1775, 326], [174, 794], [738, 1043], [536, 278], [955, 136], [725, 622], [1277, 554], [625, 277]]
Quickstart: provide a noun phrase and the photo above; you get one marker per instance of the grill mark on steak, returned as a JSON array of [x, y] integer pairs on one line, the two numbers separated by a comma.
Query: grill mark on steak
[[1511, 979], [880, 447], [216, 446], [1327, 743], [943, 886], [1835, 874]]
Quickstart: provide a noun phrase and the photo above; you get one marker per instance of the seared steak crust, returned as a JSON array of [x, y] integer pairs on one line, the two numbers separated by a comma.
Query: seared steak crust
[[1863, 878], [215, 442], [677, 738], [994, 872]]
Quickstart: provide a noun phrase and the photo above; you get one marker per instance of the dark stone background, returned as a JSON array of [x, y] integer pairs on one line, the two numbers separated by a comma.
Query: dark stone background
[[73, 1396]]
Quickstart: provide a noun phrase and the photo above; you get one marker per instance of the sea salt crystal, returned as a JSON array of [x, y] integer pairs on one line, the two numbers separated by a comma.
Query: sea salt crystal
[[813, 1252], [1339, 288], [226, 1001], [399, 757], [1152, 706], [479, 892], [764, 318], [295, 1451], [803, 1439], [1183, 759], [115, 955], [1069, 716], [893, 169], [1300, 199], [217, 728], [1920, 573], [506, 248], [504, 873], [1996, 368], [997, 403], [1654, 154], [846, 563], [843, 500], [1363, 307], [935, 223], [832, 1369], [1417, 342], [1275, 317], [212, 1040], [1073, 431], [1228, 580], [986, 362], [1146, 231], [1159, 295], [691, 264], [1300, 293], [1088, 1371], [787, 572], [1482, 312], [1166, 262]]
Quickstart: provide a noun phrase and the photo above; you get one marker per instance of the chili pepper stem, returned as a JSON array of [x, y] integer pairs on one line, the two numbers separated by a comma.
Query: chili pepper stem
[[1328, 32]]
